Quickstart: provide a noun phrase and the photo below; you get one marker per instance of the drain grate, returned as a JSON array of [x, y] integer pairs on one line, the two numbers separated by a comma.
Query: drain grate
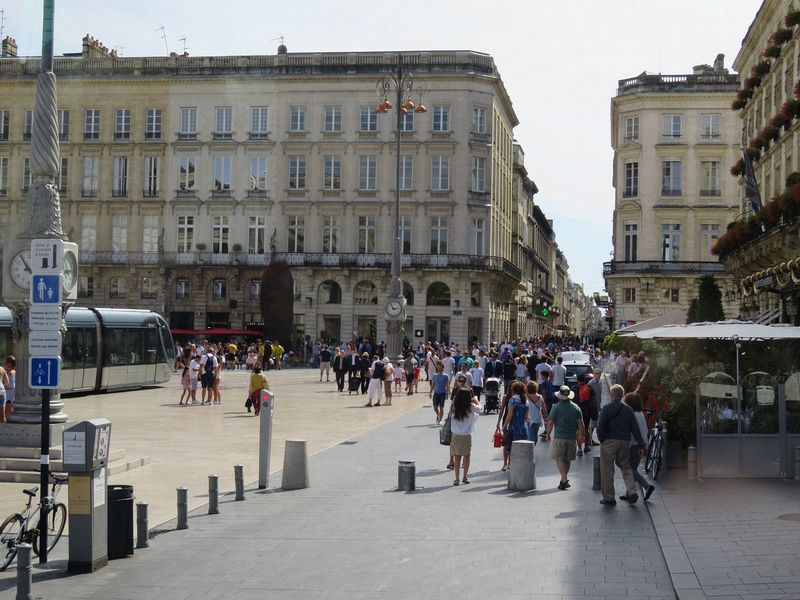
[[790, 517], [347, 443]]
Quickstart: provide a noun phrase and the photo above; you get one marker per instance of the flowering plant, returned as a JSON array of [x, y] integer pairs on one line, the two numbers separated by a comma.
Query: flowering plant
[[792, 18], [781, 36], [772, 51]]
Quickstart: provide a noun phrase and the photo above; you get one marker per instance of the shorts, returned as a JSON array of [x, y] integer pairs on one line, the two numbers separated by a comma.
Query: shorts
[[193, 383], [563, 449], [324, 367], [460, 445], [438, 400], [207, 380], [410, 378]]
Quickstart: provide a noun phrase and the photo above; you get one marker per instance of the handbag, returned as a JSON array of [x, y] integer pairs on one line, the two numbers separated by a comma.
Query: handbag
[[497, 439], [248, 403], [445, 433]]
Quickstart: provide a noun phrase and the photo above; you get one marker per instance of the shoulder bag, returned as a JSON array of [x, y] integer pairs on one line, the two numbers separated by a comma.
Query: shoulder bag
[[445, 433]]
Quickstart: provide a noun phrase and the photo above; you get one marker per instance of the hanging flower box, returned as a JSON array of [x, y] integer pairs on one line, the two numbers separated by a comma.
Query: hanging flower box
[[790, 110], [778, 121], [772, 51], [738, 104], [781, 36], [738, 168], [752, 83], [792, 18], [761, 68]]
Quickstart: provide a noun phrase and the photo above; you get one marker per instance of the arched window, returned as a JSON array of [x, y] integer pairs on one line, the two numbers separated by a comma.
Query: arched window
[[365, 292], [329, 292], [408, 292], [117, 288], [438, 294]]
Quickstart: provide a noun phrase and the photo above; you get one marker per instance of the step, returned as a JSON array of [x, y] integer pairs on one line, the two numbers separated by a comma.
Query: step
[[32, 464], [114, 468], [18, 452]]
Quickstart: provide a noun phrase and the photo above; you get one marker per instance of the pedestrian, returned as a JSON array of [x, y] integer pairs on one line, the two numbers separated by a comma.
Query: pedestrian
[[615, 426], [194, 375], [522, 369], [509, 372], [364, 367], [399, 375], [186, 383], [388, 377], [634, 400], [258, 382], [410, 366], [477, 379], [621, 369], [588, 406], [324, 359], [516, 418], [559, 372], [3, 396], [377, 371], [217, 382], [464, 413], [501, 417], [597, 390], [537, 412], [564, 431], [10, 366], [440, 383], [339, 369]]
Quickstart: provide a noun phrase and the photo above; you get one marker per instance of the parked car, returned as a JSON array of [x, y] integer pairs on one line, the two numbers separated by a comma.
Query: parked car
[[576, 363]]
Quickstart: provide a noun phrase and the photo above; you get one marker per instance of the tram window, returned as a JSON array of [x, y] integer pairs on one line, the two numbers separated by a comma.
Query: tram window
[[136, 347], [71, 349], [5, 343], [117, 348], [90, 348]]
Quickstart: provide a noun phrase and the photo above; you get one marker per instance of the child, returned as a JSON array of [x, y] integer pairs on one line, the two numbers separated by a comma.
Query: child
[[399, 376], [187, 385]]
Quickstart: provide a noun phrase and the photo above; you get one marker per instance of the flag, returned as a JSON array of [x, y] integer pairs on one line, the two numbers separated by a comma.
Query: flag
[[750, 184]]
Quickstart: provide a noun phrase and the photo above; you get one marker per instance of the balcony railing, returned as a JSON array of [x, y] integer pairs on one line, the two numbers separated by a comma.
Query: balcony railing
[[671, 192], [711, 192], [667, 268]]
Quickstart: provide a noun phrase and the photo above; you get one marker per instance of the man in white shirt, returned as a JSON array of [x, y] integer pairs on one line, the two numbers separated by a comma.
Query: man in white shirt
[[194, 371], [542, 369], [559, 372], [477, 379], [207, 376], [449, 365], [377, 373]]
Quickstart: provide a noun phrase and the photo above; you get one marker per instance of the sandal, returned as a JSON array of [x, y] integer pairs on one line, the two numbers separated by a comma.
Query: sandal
[[504, 469], [465, 481], [370, 404], [455, 482], [450, 467]]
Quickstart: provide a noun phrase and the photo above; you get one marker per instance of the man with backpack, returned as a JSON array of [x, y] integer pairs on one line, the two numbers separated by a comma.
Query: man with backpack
[[377, 374], [208, 371]]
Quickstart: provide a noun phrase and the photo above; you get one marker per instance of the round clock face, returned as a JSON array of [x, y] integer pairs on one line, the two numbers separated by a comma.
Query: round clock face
[[70, 270], [20, 269], [394, 308]]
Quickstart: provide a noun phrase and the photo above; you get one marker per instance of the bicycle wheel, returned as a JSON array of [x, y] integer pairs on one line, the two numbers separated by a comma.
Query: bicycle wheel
[[648, 461], [657, 457], [10, 535], [56, 519]]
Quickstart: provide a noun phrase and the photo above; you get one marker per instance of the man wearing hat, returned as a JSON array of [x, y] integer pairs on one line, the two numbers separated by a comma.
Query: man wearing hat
[[565, 432]]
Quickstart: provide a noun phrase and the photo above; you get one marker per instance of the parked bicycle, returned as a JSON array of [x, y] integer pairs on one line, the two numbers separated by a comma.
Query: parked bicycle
[[655, 449], [22, 527]]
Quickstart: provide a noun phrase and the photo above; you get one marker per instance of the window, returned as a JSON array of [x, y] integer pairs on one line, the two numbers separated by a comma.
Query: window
[[63, 125], [475, 293], [479, 120], [90, 167], [440, 173], [366, 234], [182, 288], [441, 118], [222, 173], [407, 121], [257, 179], [369, 119], [671, 178], [672, 126], [710, 127], [223, 128], [629, 295], [220, 231], [119, 233], [438, 235], [3, 175], [367, 173], [89, 233], [185, 235], [330, 233], [476, 237], [63, 176], [438, 294], [297, 118], [478, 174], [150, 231], [329, 292], [219, 289], [671, 294], [631, 242], [4, 121], [296, 231], [188, 129], [85, 287], [255, 289], [406, 172], [186, 173], [332, 173], [632, 129], [297, 172], [333, 119], [117, 288], [631, 188], [256, 235], [709, 234], [149, 289], [27, 132], [259, 122], [152, 124], [120, 184], [91, 126], [151, 171], [710, 174], [122, 124], [27, 175], [670, 242], [405, 235]]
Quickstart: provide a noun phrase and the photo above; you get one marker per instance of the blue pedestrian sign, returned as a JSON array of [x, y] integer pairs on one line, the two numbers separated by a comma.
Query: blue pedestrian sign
[[46, 289], [43, 373]]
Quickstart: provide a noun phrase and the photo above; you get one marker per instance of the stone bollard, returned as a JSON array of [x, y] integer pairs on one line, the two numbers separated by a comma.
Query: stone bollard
[[797, 463], [142, 526], [295, 465], [522, 469], [238, 475], [596, 473], [183, 508], [691, 463], [24, 575], [406, 475], [213, 494]]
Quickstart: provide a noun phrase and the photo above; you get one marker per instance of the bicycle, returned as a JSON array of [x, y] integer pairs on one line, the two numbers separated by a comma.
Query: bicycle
[[17, 529], [655, 448]]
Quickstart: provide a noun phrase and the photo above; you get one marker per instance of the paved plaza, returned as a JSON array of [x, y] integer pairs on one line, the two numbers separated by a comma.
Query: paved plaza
[[351, 535]]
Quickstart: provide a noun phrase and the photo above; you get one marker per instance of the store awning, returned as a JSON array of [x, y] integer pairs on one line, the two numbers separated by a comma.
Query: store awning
[[677, 317], [721, 330]]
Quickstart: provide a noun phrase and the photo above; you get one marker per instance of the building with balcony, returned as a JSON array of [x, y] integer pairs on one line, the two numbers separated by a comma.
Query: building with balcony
[[184, 177], [672, 136]]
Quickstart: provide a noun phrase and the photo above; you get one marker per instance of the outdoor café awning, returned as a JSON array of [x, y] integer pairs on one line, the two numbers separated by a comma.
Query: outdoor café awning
[[215, 332], [720, 330], [677, 317]]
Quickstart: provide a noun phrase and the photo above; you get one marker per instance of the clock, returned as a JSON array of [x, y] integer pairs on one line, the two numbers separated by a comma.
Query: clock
[[70, 270], [20, 269], [394, 308]]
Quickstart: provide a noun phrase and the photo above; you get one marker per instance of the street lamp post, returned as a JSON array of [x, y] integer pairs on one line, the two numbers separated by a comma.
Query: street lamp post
[[401, 84]]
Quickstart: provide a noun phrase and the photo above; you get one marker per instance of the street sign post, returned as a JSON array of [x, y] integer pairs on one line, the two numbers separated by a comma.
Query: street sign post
[[45, 289], [44, 343], [46, 256], [44, 372], [44, 317]]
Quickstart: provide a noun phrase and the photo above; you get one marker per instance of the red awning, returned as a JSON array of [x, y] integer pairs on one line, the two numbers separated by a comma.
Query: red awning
[[216, 331]]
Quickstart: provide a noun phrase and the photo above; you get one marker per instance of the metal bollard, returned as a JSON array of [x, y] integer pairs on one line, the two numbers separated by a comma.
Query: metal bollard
[[691, 463], [406, 475], [142, 527], [596, 479], [239, 478], [24, 572], [797, 463], [213, 494], [183, 509]]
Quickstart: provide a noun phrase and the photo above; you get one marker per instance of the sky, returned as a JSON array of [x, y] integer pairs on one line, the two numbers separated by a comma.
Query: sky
[[560, 62]]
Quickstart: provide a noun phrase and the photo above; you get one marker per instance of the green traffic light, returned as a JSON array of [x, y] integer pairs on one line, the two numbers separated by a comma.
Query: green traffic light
[[545, 312]]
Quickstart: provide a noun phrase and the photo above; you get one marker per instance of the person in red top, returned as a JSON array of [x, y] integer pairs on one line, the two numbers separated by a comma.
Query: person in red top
[[587, 401]]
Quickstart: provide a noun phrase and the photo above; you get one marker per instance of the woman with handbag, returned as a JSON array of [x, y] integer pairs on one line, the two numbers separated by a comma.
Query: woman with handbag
[[464, 413], [258, 382], [537, 412], [505, 435]]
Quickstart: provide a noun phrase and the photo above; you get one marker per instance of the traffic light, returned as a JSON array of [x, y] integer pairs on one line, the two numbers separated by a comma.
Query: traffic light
[[545, 311]]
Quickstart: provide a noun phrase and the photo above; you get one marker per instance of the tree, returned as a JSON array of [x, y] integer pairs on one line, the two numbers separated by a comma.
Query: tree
[[709, 300], [691, 316]]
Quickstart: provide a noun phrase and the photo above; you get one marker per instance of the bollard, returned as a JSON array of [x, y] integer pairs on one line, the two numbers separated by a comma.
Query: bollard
[[24, 572], [213, 494], [142, 527], [238, 476], [522, 468], [797, 463], [295, 465], [183, 509], [691, 463], [406, 475], [596, 479]]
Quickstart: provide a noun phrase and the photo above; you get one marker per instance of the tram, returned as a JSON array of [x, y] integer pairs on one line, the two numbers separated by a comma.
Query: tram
[[108, 349]]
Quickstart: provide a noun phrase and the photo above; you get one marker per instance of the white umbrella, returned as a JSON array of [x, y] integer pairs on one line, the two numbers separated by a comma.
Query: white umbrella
[[720, 330]]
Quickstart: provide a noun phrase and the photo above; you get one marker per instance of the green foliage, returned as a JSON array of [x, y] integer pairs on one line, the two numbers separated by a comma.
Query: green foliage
[[681, 416], [709, 300], [618, 343], [691, 316]]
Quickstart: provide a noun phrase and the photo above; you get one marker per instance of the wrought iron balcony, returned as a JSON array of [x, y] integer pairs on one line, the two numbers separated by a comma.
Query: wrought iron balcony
[[665, 268]]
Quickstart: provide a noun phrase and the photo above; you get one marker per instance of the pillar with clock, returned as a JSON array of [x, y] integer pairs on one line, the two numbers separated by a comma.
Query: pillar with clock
[[395, 318]]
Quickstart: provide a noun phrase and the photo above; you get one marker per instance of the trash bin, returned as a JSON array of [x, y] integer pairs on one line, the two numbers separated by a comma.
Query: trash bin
[[120, 521]]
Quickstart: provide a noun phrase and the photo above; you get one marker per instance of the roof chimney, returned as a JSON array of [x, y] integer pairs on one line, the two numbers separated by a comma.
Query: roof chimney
[[719, 64], [93, 48], [9, 47]]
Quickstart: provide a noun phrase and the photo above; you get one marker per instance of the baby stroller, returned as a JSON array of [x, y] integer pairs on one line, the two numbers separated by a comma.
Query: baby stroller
[[492, 391], [354, 385]]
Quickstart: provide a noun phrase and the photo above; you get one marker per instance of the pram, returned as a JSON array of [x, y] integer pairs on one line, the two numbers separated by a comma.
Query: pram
[[354, 385], [491, 389]]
